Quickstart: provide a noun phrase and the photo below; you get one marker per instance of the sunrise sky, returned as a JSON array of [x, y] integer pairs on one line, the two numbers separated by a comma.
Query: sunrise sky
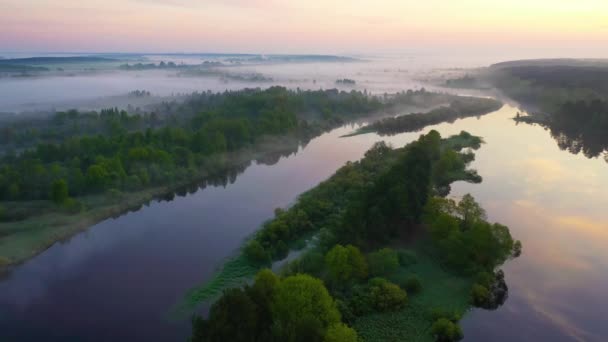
[[559, 27]]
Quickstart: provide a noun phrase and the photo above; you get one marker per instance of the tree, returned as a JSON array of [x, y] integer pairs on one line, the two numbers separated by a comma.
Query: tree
[[480, 295], [302, 299], [383, 262], [346, 263], [386, 296], [59, 191], [470, 211], [232, 318], [340, 332], [96, 177], [444, 330], [255, 252]]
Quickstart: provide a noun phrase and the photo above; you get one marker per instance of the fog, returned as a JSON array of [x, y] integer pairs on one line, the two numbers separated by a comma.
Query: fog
[[94, 86]]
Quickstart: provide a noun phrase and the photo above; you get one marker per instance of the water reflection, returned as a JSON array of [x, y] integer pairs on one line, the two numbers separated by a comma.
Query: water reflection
[[591, 141]]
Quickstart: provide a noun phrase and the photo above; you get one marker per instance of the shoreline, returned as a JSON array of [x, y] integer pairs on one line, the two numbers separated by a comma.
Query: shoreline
[[54, 227]]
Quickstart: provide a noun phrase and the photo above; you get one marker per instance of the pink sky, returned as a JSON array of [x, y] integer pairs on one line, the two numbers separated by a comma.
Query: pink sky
[[558, 27]]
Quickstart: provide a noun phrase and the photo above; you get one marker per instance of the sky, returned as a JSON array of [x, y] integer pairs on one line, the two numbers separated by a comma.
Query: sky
[[558, 28]]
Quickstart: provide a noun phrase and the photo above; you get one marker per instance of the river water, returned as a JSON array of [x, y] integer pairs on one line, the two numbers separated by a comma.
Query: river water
[[118, 280]]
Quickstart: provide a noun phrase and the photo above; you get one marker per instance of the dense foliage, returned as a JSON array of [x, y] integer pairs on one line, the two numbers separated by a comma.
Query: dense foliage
[[573, 97], [295, 308], [367, 278], [461, 107], [95, 152]]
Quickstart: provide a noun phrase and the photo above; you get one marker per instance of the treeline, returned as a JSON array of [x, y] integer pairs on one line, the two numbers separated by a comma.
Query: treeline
[[128, 158], [363, 208], [459, 108], [577, 127], [26, 133], [574, 98], [581, 127]]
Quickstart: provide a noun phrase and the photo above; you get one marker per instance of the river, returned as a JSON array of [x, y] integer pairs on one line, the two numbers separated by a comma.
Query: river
[[118, 280]]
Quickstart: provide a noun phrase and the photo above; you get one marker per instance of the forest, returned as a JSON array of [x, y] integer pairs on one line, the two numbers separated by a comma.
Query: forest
[[63, 172], [571, 98], [388, 257], [458, 108]]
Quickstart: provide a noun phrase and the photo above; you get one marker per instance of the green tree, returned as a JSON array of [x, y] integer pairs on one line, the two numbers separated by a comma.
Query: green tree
[[346, 263], [340, 332], [59, 191], [255, 252], [470, 211], [444, 330], [232, 318], [383, 262], [386, 296], [298, 300]]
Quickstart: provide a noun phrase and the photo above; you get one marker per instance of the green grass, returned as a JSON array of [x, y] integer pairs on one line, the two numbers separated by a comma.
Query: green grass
[[440, 290], [234, 273], [24, 239]]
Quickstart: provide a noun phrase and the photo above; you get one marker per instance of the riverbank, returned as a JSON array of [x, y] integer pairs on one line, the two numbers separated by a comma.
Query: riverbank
[[24, 239]]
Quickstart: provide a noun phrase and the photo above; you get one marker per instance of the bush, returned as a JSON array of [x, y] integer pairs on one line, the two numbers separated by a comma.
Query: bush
[[345, 264], [254, 251], [340, 332], [360, 302], [438, 313], [407, 257], [412, 284], [480, 295], [386, 296], [383, 262], [444, 330], [485, 279]]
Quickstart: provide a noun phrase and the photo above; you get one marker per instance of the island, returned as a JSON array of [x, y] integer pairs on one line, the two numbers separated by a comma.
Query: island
[[381, 255]]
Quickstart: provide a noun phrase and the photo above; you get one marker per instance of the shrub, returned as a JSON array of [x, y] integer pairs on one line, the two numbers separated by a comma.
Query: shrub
[[254, 251], [437, 313], [480, 295], [444, 330], [412, 284], [383, 262], [360, 301], [386, 296], [407, 257]]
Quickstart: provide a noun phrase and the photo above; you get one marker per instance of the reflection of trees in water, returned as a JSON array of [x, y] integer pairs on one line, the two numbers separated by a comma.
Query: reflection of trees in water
[[591, 143], [578, 127], [229, 175]]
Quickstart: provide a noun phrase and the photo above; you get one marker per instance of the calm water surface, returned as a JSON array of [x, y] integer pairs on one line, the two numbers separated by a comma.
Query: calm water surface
[[119, 279]]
